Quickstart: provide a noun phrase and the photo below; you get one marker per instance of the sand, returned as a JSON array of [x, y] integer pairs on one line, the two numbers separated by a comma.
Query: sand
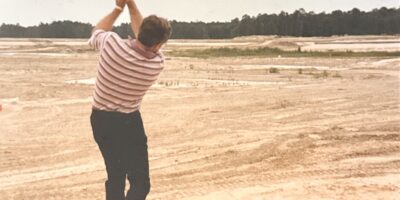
[[218, 128]]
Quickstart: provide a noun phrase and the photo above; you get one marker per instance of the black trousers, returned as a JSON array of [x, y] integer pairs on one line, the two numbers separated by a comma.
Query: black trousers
[[123, 144]]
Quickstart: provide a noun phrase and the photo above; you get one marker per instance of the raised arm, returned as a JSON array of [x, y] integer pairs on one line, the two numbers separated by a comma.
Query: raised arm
[[108, 21], [136, 16]]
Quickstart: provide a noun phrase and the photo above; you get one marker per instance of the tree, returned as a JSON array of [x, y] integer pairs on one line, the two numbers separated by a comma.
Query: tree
[[299, 23]]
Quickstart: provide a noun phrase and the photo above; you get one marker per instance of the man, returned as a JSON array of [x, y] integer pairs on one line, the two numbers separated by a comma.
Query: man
[[126, 70]]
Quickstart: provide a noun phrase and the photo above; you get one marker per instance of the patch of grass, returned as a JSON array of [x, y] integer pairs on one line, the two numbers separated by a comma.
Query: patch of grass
[[370, 76], [337, 75], [300, 71], [316, 75], [284, 104], [273, 52], [326, 74], [169, 83], [273, 70]]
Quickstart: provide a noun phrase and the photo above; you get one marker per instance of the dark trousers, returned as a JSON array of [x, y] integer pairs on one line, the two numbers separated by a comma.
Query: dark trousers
[[123, 144]]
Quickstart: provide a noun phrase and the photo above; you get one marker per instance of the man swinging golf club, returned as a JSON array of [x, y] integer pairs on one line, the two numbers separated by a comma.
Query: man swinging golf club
[[126, 70]]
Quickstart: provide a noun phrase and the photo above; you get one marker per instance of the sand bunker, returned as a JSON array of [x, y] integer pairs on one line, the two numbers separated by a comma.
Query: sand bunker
[[222, 128]]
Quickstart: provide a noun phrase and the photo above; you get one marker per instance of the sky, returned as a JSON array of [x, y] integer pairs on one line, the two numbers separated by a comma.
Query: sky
[[33, 12]]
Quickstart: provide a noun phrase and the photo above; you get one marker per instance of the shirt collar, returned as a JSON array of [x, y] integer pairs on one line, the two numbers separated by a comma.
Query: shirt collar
[[141, 49]]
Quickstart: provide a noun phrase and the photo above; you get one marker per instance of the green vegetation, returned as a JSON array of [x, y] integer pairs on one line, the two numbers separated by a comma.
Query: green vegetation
[[273, 52], [382, 21], [273, 70], [325, 74], [337, 75], [168, 83], [300, 71]]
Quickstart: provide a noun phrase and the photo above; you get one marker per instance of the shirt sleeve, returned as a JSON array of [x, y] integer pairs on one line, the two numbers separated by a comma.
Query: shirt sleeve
[[99, 38]]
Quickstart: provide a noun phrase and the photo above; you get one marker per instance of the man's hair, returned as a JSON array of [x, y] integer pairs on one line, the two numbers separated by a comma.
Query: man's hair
[[154, 30]]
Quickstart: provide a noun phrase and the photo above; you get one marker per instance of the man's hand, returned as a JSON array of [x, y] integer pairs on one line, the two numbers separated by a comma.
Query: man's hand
[[108, 21], [120, 3]]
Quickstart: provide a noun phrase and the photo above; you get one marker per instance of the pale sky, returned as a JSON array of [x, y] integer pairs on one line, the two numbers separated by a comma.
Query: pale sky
[[32, 12]]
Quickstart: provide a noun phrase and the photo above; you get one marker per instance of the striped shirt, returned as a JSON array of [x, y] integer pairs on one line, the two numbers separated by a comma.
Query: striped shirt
[[125, 72]]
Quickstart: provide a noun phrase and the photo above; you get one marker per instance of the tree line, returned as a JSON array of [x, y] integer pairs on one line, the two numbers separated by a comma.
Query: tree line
[[299, 23]]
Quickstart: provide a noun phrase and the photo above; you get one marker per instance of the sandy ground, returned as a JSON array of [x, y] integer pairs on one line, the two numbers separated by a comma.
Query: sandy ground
[[336, 43], [222, 128]]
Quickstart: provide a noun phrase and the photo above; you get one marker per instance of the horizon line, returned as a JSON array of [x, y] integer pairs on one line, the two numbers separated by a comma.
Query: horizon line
[[199, 21]]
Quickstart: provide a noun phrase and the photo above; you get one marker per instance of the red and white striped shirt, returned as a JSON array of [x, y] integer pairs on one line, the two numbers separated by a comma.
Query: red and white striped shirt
[[125, 72]]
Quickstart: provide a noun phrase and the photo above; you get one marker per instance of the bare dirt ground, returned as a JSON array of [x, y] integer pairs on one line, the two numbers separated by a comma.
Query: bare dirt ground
[[218, 128]]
